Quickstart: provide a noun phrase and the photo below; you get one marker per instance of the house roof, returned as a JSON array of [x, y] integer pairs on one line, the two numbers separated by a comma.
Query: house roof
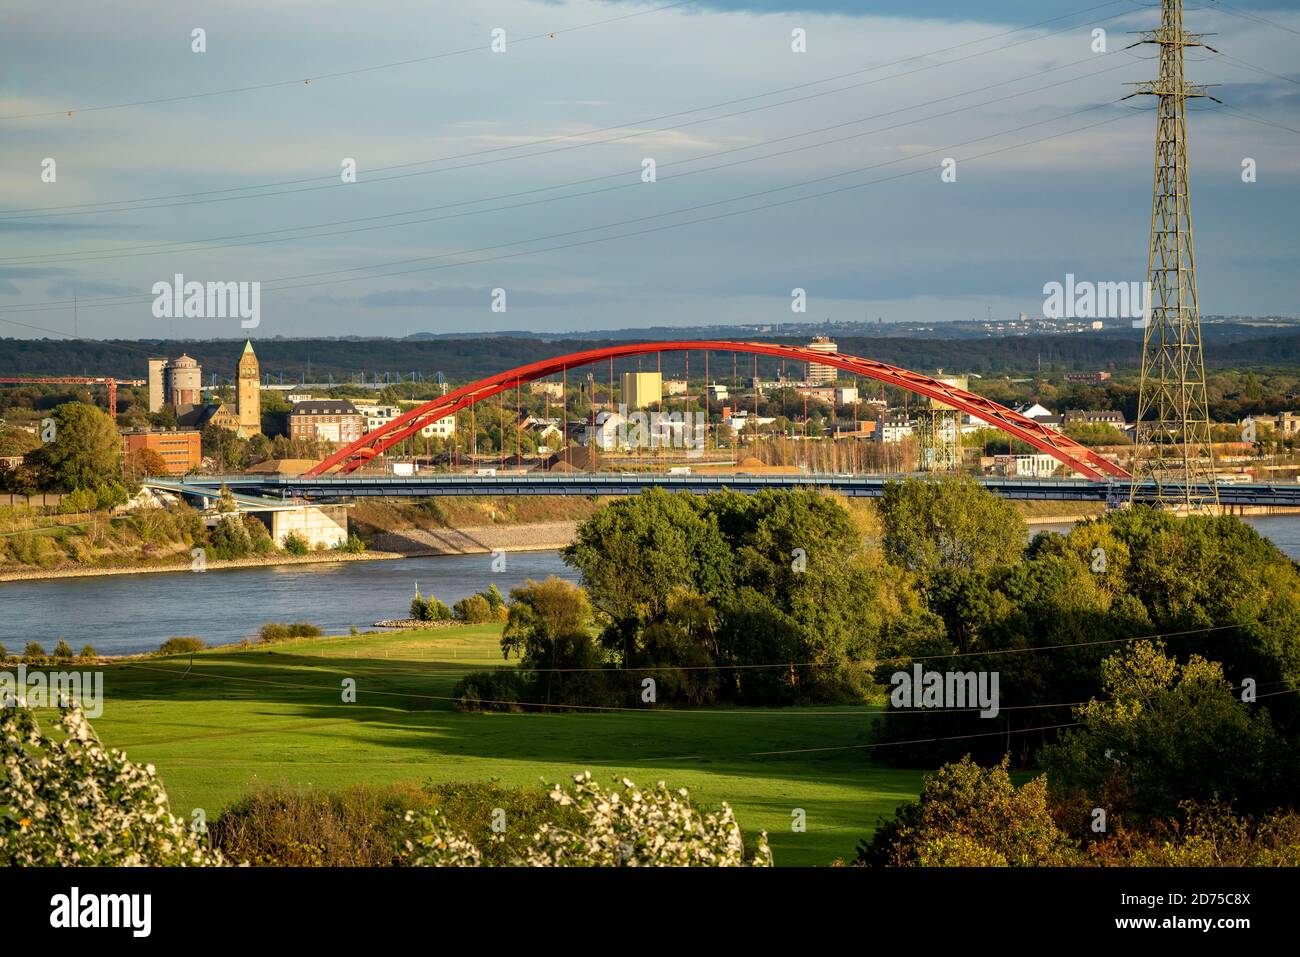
[[324, 407]]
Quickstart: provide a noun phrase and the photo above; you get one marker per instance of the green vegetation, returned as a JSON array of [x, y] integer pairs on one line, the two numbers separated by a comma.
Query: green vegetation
[[744, 648], [294, 544], [69, 801], [709, 594], [183, 645], [247, 719], [364, 826], [429, 609], [274, 631]]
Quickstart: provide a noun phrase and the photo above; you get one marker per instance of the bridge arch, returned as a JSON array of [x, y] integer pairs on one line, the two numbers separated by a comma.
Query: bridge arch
[[1060, 447]]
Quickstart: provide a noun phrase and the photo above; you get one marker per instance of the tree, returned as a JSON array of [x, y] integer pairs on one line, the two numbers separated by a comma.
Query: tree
[[1167, 733], [145, 462], [638, 551], [549, 627], [87, 449], [969, 815], [949, 523]]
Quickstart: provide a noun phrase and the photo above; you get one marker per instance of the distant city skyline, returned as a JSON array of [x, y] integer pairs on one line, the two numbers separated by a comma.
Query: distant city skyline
[[850, 207]]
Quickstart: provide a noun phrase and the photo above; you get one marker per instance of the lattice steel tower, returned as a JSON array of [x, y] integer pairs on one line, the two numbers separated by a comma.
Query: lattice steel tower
[[1173, 424]]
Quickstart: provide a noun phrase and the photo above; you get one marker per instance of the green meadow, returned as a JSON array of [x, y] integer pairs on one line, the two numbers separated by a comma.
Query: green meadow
[[234, 720]]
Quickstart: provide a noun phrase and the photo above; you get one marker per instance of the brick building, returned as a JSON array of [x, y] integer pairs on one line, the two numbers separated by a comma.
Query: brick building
[[179, 448], [335, 420]]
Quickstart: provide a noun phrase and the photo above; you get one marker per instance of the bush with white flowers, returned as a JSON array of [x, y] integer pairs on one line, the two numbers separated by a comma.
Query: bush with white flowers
[[74, 802], [435, 843], [637, 827]]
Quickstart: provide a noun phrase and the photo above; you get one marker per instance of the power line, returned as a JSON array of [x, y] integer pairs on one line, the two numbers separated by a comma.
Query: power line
[[551, 34], [894, 659], [219, 241], [114, 300], [1245, 15], [333, 181]]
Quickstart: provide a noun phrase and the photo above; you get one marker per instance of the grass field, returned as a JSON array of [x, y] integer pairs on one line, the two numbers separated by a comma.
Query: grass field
[[243, 718]]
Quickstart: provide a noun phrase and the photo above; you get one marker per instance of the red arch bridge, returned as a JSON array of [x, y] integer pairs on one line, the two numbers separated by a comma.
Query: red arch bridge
[[1065, 450]]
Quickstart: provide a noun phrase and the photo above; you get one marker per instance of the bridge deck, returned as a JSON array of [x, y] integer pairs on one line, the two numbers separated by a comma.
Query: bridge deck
[[387, 486]]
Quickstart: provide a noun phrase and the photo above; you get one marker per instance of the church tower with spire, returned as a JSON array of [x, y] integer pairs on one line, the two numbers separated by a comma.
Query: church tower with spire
[[248, 392]]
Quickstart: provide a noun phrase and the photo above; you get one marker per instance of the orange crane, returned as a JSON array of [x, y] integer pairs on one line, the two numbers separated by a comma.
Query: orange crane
[[75, 380]]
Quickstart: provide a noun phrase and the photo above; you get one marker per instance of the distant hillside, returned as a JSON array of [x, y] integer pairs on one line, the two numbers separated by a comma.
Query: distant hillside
[[468, 358]]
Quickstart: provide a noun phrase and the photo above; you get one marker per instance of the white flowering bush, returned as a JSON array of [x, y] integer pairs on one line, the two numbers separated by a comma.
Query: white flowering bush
[[637, 827], [435, 843], [75, 802]]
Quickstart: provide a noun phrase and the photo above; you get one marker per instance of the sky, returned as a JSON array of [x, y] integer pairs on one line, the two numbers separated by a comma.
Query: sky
[[507, 190]]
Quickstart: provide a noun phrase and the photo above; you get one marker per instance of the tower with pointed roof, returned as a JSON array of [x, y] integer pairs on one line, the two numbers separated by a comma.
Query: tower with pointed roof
[[248, 392]]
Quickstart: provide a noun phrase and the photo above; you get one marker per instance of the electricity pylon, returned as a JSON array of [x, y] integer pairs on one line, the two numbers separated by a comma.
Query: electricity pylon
[[1173, 424], [940, 439]]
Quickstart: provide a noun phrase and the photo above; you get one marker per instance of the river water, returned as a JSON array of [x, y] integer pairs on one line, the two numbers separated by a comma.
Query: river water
[[124, 614]]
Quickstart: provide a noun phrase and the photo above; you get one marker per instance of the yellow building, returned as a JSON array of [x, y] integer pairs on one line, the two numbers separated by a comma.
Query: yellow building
[[641, 389], [248, 393]]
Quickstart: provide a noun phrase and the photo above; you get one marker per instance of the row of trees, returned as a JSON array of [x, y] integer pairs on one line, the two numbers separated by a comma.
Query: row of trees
[[1169, 641]]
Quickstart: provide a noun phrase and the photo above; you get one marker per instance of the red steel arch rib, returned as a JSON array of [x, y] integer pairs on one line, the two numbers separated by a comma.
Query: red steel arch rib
[[1063, 449]]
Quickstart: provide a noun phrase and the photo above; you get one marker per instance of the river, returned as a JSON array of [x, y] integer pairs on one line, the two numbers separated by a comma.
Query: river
[[125, 614]]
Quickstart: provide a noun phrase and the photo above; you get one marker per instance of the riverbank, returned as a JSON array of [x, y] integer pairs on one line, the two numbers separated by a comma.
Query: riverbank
[[412, 543]]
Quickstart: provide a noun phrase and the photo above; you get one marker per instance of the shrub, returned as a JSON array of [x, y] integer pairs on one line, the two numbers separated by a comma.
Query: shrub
[[1210, 835], [276, 631], [87, 651], [182, 645], [352, 545], [497, 690], [78, 500], [419, 607], [108, 494], [656, 827], [294, 544], [3, 654], [230, 537], [969, 815], [474, 610], [364, 826], [34, 649], [428, 609], [63, 650], [72, 801]]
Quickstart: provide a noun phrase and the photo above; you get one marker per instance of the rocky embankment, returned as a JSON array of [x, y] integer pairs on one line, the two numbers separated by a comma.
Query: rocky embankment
[[540, 536]]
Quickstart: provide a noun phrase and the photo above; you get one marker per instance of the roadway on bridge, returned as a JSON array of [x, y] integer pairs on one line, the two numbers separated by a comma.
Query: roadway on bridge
[[604, 483]]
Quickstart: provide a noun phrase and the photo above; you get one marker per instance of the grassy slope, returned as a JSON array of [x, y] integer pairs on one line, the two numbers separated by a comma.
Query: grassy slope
[[213, 738]]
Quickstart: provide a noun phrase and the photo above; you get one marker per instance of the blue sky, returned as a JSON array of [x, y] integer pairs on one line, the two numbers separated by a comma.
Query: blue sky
[[539, 150]]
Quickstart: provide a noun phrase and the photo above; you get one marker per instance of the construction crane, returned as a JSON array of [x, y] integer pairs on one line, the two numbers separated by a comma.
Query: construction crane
[[76, 380]]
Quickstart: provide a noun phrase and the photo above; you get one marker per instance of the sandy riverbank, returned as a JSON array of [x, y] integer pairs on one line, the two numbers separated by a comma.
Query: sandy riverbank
[[544, 536]]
